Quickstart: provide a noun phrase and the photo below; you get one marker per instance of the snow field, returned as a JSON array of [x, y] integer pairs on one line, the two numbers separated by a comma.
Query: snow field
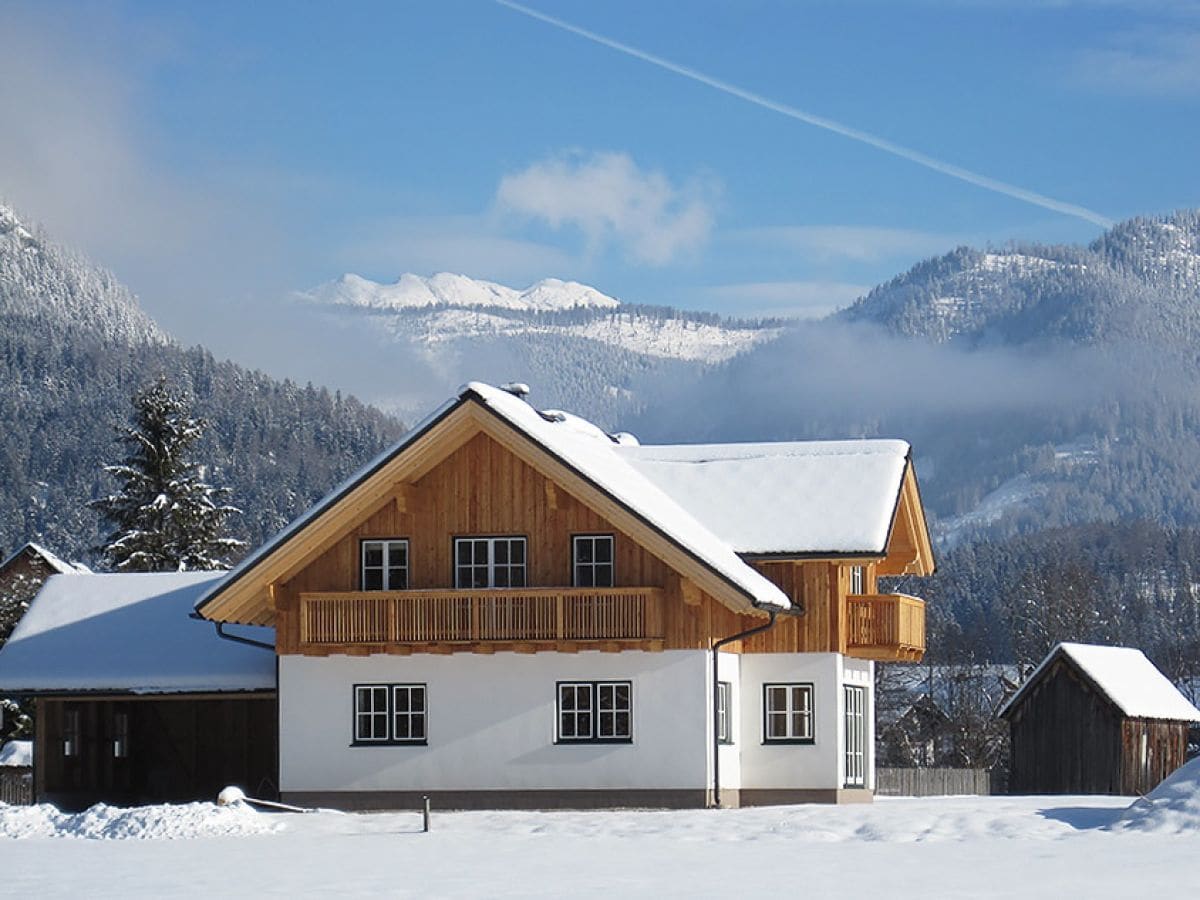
[[929, 848]]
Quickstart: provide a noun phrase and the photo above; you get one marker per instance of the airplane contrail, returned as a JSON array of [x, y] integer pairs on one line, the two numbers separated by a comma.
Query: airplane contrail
[[855, 134]]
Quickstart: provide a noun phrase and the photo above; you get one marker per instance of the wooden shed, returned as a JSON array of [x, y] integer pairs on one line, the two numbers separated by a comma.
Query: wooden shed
[[137, 702], [1096, 720]]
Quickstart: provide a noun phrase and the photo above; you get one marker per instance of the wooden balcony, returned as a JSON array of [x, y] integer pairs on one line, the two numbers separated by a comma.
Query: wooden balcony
[[886, 627], [521, 619]]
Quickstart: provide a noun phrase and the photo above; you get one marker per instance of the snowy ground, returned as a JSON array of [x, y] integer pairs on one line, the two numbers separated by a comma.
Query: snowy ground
[[946, 847]]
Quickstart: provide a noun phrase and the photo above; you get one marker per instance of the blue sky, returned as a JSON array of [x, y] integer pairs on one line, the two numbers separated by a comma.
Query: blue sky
[[225, 153]]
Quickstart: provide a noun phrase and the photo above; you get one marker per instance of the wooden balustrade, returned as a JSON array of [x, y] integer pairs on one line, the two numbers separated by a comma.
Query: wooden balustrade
[[886, 627], [481, 616]]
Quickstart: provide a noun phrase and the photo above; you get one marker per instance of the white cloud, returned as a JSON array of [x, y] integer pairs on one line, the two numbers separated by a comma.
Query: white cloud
[[852, 243], [1158, 61], [613, 201], [787, 299]]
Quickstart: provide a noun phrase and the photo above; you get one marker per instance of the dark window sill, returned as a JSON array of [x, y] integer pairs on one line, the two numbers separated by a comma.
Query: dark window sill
[[569, 742], [424, 743], [768, 741]]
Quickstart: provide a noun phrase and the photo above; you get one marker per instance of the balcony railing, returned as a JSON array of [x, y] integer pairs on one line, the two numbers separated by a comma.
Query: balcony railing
[[481, 616], [886, 627]]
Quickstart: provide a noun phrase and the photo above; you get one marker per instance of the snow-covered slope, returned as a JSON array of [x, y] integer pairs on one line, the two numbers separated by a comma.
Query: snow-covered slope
[[43, 281], [446, 289]]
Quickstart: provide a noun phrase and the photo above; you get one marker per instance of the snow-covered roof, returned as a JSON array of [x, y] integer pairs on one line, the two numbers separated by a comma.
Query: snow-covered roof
[[17, 753], [1125, 676], [593, 454], [812, 497], [53, 561], [128, 633]]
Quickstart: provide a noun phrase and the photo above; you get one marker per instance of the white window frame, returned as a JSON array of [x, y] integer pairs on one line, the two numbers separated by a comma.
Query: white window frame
[[388, 571], [598, 719], [385, 714], [491, 565], [593, 566], [724, 712], [858, 580], [795, 715]]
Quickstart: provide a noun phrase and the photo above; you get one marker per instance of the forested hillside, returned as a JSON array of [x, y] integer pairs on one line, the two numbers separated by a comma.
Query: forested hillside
[[74, 347]]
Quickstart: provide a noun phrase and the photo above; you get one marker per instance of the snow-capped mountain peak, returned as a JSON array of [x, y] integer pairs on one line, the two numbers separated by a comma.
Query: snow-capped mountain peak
[[447, 289]]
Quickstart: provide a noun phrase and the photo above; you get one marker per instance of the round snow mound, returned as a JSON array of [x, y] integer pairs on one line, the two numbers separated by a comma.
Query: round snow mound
[[1171, 808], [230, 795], [163, 821]]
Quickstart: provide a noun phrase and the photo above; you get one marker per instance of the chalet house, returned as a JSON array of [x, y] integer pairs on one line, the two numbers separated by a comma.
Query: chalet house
[[514, 608], [135, 700], [1096, 720]]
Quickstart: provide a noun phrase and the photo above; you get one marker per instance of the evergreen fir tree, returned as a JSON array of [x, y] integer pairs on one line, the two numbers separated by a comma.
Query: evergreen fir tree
[[164, 517]]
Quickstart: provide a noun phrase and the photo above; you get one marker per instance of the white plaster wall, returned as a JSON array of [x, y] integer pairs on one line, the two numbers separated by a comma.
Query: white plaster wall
[[792, 766], [491, 723]]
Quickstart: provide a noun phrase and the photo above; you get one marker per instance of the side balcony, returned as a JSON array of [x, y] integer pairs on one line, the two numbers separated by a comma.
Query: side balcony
[[886, 627], [444, 621]]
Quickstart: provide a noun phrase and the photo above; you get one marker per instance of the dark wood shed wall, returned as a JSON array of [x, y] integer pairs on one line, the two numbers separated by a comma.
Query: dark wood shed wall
[[1068, 738], [176, 749]]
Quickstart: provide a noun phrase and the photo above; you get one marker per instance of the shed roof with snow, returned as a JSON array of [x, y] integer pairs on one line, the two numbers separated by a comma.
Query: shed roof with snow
[[1123, 675], [128, 633]]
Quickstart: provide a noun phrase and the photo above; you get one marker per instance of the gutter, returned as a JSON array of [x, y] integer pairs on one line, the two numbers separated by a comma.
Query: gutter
[[773, 613], [226, 636]]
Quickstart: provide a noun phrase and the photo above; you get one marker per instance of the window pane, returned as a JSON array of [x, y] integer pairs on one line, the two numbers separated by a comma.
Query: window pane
[[584, 550], [516, 576], [566, 725], [604, 549], [401, 700], [398, 553], [501, 552], [622, 695], [603, 576], [372, 579], [517, 551], [402, 730], [583, 697], [799, 725], [501, 577], [566, 697], [462, 552], [800, 698], [777, 725], [417, 701], [583, 724], [373, 553], [622, 727], [397, 579], [776, 698], [479, 577], [607, 696], [418, 727]]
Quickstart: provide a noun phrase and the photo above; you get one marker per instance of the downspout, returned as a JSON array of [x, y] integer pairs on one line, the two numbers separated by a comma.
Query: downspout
[[772, 612], [226, 636]]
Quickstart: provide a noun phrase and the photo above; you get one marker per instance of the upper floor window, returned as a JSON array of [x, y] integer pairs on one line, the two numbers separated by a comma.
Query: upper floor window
[[384, 565], [788, 713], [593, 560], [489, 562], [858, 580]]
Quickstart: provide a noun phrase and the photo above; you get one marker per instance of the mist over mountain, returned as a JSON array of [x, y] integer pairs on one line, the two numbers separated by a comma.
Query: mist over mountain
[[75, 346], [581, 348], [1040, 385]]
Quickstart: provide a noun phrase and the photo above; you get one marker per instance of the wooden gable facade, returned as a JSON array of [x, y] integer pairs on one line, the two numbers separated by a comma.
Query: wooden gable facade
[[469, 473]]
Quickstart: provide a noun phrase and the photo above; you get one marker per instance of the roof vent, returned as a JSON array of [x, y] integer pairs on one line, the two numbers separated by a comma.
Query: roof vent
[[516, 388]]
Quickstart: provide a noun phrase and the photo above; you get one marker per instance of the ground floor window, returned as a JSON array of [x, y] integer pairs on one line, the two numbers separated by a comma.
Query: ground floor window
[[724, 712], [856, 736], [389, 714], [788, 713], [72, 732], [120, 735], [597, 711]]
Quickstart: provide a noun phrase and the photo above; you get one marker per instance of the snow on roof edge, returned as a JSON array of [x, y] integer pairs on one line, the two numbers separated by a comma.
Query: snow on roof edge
[[1070, 650]]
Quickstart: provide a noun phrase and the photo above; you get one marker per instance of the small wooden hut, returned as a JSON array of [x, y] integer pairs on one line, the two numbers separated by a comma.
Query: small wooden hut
[[1096, 720]]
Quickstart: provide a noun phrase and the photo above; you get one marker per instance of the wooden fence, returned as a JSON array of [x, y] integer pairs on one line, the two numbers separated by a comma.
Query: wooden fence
[[16, 785], [919, 782]]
